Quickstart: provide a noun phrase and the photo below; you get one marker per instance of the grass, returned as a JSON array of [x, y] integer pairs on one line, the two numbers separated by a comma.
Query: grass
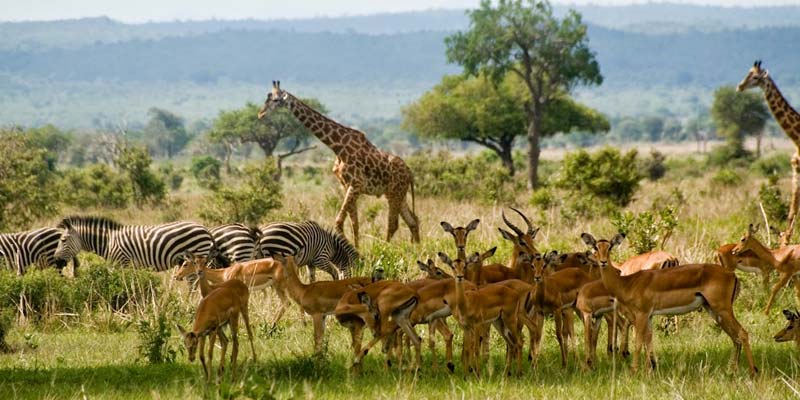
[[94, 356]]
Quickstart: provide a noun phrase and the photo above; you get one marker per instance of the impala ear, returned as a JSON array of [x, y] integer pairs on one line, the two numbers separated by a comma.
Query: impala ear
[[533, 233], [363, 298], [445, 259], [588, 239], [617, 239], [473, 224], [562, 258], [789, 315], [378, 275], [431, 264], [507, 235], [446, 226], [488, 253], [422, 266]]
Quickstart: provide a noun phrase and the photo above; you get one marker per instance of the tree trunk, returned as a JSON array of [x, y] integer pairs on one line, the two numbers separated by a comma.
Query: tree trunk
[[507, 158], [759, 136], [533, 149]]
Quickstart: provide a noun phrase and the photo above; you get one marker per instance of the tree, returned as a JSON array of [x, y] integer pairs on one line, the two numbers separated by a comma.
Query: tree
[[166, 132], [26, 182], [135, 162], [248, 203], [235, 127], [475, 109], [51, 139], [739, 114], [551, 56]]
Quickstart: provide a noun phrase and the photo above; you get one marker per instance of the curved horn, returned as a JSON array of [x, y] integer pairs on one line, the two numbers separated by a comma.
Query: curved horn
[[531, 229], [510, 225]]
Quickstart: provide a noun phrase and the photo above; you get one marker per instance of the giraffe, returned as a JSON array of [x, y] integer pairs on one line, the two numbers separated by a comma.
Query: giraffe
[[360, 167], [789, 120]]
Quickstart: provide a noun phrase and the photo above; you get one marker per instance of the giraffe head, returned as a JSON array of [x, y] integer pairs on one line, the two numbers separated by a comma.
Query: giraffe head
[[275, 98], [755, 77]]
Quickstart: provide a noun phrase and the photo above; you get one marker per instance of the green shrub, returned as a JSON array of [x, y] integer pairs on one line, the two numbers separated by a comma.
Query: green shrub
[[154, 343], [248, 203], [96, 186], [777, 164], [728, 155], [170, 175], [647, 229], [206, 170], [775, 206], [477, 177], [607, 174], [135, 162], [543, 198], [726, 177], [654, 167], [6, 320]]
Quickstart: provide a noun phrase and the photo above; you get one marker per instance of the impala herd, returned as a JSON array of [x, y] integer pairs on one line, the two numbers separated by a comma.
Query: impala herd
[[510, 298]]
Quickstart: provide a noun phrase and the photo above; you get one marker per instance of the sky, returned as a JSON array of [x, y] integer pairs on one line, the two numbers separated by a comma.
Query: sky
[[167, 10]]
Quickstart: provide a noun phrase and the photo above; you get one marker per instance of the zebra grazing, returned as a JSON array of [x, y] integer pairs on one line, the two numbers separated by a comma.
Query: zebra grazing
[[155, 246], [311, 245], [22, 249], [235, 243]]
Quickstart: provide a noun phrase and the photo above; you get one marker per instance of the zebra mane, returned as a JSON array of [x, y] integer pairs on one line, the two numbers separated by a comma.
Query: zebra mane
[[73, 220], [346, 253]]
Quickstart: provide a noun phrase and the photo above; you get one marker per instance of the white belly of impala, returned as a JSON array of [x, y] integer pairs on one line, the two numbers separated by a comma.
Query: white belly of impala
[[695, 305], [745, 268]]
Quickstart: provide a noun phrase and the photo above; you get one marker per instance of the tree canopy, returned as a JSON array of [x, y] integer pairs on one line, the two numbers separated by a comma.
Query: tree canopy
[[551, 56], [166, 133], [477, 110], [738, 114]]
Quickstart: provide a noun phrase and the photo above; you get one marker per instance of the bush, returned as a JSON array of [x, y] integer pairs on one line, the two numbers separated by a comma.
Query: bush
[[154, 343], [728, 155], [607, 174], [654, 167], [769, 195], [173, 177], [6, 320], [777, 164], [206, 170], [248, 203], [647, 229], [726, 177], [543, 198], [96, 186], [135, 162], [461, 178]]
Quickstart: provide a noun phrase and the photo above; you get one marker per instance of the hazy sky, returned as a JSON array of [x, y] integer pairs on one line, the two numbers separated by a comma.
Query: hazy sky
[[161, 10]]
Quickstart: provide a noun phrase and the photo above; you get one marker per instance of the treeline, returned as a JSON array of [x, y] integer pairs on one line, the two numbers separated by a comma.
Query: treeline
[[627, 59]]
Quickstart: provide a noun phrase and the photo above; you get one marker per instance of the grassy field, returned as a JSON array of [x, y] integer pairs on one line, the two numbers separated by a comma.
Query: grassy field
[[93, 355]]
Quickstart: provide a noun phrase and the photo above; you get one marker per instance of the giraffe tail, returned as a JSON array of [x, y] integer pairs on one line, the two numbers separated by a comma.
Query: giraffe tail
[[413, 206]]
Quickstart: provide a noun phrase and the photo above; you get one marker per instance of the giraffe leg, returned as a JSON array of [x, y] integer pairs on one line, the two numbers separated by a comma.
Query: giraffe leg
[[787, 236], [394, 216], [411, 220], [348, 207]]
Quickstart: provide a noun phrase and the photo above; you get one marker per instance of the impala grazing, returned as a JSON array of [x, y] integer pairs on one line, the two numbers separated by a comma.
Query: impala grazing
[[792, 330], [672, 291]]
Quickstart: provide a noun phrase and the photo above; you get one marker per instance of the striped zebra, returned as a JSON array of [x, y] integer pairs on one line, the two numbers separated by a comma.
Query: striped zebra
[[155, 246], [235, 243], [311, 245], [36, 247]]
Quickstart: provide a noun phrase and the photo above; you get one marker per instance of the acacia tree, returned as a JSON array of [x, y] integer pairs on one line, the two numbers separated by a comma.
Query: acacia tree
[[551, 56], [166, 132], [739, 114], [475, 109], [232, 128]]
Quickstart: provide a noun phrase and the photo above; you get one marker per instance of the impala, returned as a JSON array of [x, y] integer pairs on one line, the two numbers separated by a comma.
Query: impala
[[672, 291], [522, 241], [595, 302], [792, 331], [257, 274], [786, 260], [222, 306], [318, 299], [746, 262], [460, 235]]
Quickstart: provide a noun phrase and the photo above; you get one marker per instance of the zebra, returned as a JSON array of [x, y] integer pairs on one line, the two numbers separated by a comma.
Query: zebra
[[22, 249], [311, 245], [235, 243], [155, 246]]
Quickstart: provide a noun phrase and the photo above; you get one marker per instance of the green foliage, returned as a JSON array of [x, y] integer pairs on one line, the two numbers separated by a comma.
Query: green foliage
[[647, 229], [654, 167], [52, 140], [775, 206], [249, 203], [96, 186], [543, 198], [728, 154], [550, 55], [135, 162], [166, 132], [726, 177], [778, 164], [738, 114], [607, 174], [6, 321], [24, 173], [173, 177], [461, 178], [154, 343], [206, 170]]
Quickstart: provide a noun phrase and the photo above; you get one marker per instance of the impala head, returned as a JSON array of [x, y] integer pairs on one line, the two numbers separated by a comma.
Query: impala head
[[190, 340], [747, 241], [538, 265], [190, 266], [602, 248], [377, 274], [432, 271], [791, 331], [475, 262], [756, 76], [275, 98], [69, 244], [458, 265], [460, 233], [522, 240]]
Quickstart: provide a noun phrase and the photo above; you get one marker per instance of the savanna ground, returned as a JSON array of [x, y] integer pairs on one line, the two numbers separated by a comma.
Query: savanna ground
[[93, 354]]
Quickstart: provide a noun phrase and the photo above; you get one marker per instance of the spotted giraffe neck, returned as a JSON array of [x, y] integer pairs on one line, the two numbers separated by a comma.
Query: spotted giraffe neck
[[788, 118], [327, 130]]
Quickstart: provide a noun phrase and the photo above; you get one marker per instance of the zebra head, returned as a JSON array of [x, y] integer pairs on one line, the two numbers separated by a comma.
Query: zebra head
[[69, 244]]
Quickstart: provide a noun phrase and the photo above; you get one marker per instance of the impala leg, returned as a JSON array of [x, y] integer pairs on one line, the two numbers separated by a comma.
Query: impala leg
[[408, 329], [728, 322], [235, 350], [432, 343], [319, 331], [559, 322], [624, 325], [536, 336], [447, 334], [648, 343], [640, 327], [246, 317], [201, 348], [775, 289], [589, 328], [796, 282], [223, 343]]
